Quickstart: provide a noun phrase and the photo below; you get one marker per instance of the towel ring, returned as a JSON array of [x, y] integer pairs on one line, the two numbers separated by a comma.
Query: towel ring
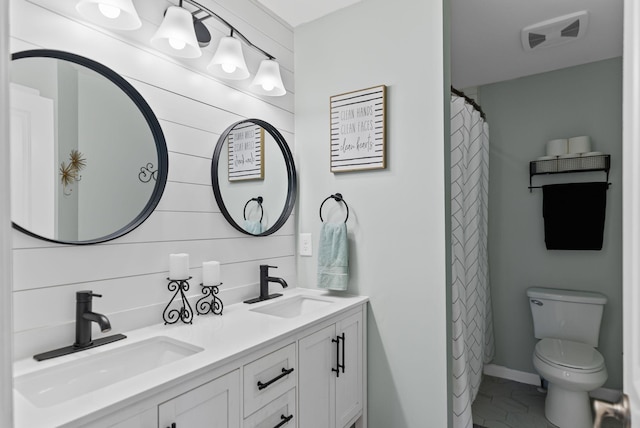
[[338, 198], [259, 201]]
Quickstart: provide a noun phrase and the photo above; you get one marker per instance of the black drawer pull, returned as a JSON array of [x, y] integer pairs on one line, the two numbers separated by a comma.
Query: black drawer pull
[[284, 373], [285, 420]]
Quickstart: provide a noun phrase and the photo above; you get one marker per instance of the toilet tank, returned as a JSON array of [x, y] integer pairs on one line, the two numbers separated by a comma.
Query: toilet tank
[[566, 314]]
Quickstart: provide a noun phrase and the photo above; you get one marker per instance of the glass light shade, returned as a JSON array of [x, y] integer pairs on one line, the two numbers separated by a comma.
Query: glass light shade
[[268, 80], [116, 14], [228, 61], [176, 35]]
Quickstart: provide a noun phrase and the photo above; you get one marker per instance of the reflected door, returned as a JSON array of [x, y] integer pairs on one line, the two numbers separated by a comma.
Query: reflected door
[[32, 148]]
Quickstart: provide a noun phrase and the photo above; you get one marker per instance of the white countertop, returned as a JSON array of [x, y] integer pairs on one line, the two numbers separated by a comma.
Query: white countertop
[[238, 332]]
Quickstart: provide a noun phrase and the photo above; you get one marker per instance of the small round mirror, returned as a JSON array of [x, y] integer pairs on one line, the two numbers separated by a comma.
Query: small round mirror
[[254, 177], [88, 157]]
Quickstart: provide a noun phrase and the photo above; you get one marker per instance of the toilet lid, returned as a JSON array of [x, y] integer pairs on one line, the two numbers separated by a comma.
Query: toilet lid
[[567, 353]]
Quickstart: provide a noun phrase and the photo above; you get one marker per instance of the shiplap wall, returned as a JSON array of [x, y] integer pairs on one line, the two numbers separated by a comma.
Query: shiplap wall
[[6, 306], [193, 109]]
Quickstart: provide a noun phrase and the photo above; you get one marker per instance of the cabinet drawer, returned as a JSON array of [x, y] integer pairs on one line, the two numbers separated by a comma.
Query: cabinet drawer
[[278, 413], [269, 377]]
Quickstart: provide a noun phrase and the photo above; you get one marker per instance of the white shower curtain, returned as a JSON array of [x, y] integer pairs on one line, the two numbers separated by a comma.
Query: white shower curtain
[[472, 328]]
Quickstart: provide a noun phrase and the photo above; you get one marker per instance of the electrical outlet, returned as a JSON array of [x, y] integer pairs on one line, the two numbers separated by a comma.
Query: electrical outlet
[[305, 245]]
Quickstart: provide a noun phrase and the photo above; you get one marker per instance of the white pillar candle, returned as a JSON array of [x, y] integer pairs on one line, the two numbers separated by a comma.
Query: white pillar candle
[[179, 266], [210, 273]]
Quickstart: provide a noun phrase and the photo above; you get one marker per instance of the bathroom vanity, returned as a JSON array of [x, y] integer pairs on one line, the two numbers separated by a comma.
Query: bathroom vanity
[[299, 360]]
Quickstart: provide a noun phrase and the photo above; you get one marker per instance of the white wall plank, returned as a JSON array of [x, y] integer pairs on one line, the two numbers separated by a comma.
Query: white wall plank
[[36, 25], [6, 342], [144, 290], [147, 296], [167, 226], [193, 109], [189, 169], [181, 226], [188, 197], [42, 267], [272, 35], [250, 12], [188, 140]]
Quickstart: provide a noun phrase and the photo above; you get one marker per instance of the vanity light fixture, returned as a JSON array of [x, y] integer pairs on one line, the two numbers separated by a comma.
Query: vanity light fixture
[[268, 80], [116, 14], [182, 34], [176, 35], [228, 61]]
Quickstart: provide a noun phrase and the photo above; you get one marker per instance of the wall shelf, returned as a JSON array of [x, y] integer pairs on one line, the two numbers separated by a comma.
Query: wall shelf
[[569, 164]]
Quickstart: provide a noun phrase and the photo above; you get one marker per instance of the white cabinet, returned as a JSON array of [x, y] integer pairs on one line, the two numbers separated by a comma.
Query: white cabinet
[[330, 377], [312, 376], [215, 404], [349, 383], [316, 380]]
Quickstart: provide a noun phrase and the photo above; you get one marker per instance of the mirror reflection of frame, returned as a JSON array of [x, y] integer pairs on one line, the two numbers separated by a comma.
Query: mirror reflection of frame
[[245, 148], [89, 161], [256, 207]]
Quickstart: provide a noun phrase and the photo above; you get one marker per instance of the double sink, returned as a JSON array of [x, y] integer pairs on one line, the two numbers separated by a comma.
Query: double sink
[[59, 383]]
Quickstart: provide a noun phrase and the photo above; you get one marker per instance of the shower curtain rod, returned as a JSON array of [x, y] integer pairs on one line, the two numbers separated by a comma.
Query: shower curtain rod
[[470, 101]]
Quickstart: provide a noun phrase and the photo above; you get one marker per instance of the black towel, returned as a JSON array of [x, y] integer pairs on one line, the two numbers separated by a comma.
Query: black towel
[[574, 215]]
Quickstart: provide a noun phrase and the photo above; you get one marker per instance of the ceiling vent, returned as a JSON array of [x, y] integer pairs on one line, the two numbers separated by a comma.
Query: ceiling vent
[[556, 31]]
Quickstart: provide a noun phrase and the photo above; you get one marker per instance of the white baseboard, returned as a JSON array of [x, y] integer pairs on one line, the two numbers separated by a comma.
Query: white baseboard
[[605, 394], [511, 374]]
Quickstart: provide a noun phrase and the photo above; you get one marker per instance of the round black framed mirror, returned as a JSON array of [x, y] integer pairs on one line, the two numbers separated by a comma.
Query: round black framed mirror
[[89, 160], [254, 177]]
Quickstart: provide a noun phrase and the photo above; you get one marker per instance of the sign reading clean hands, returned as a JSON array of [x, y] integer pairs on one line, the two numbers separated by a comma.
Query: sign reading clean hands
[[358, 130]]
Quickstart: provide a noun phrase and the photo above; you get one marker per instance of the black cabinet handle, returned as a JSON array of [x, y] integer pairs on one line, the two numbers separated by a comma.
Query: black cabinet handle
[[338, 365], [337, 369], [343, 354], [284, 373], [173, 425], [285, 420]]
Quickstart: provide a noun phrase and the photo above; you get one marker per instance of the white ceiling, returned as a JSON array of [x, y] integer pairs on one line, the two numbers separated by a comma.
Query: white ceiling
[[486, 45], [486, 42], [296, 12]]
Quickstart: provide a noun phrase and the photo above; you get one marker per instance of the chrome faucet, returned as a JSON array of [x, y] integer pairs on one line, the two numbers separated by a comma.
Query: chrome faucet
[[84, 317], [265, 279]]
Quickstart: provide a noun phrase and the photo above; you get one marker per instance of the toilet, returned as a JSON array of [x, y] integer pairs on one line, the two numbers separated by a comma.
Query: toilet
[[568, 325]]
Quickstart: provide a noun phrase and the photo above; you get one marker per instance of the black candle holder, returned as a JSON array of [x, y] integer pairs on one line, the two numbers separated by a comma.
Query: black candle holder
[[209, 301], [184, 313]]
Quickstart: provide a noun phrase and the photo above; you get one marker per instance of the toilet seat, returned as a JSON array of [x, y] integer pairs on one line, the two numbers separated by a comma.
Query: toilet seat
[[569, 355]]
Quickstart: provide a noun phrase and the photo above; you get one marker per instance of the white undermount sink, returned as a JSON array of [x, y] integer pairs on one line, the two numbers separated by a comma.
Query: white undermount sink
[[292, 307], [57, 384]]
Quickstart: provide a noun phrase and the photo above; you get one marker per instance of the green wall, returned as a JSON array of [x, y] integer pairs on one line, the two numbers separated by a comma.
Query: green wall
[[523, 114], [397, 225]]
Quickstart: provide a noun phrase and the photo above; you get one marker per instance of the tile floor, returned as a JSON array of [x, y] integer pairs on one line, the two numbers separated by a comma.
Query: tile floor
[[503, 403]]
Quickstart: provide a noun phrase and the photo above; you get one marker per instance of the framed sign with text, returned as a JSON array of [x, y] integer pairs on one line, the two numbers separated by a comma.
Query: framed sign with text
[[246, 153], [358, 130]]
